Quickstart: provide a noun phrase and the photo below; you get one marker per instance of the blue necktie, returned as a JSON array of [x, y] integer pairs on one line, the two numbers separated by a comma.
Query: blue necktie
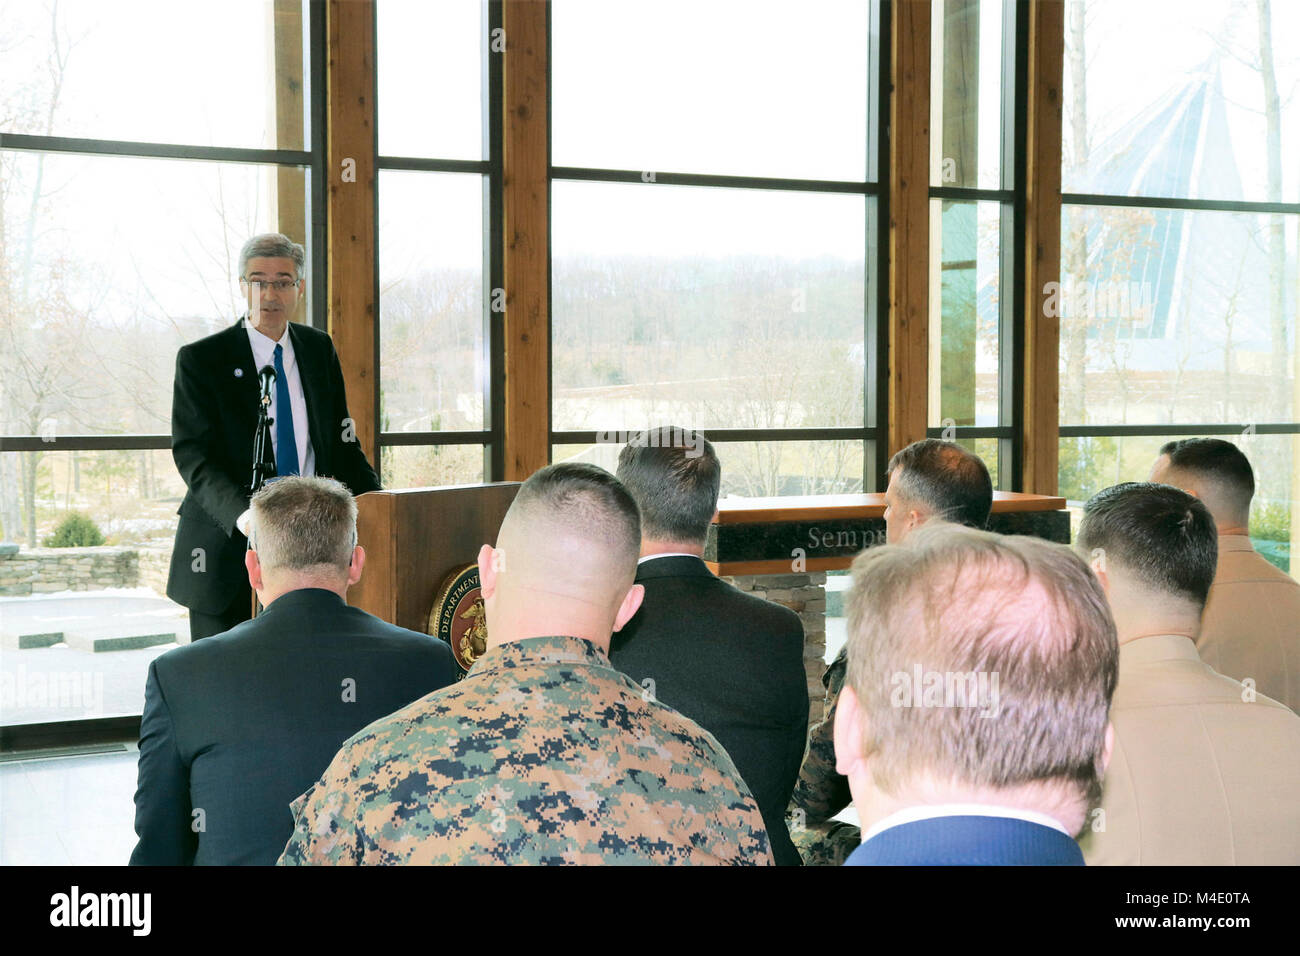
[[286, 459]]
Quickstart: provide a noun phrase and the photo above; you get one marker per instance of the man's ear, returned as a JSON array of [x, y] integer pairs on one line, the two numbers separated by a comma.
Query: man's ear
[[849, 731], [254, 568], [1098, 565], [1107, 748], [631, 604], [487, 571], [358, 562]]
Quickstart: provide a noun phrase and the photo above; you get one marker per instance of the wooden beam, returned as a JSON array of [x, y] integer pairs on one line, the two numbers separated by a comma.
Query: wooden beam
[[290, 194], [350, 207], [1041, 411], [909, 222], [526, 163]]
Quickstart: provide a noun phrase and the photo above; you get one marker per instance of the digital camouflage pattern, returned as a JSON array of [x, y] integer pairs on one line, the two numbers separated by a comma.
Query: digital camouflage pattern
[[821, 791], [543, 754]]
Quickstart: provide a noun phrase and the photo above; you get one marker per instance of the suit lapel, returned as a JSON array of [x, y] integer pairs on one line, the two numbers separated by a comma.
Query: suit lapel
[[242, 370], [314, 390]]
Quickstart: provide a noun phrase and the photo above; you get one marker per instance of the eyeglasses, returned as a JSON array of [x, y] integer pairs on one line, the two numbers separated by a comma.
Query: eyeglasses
[[279, 285]]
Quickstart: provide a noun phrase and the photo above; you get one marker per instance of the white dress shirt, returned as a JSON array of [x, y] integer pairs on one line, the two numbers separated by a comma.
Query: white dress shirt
[[930, 811], [666, 554], [263, 355]]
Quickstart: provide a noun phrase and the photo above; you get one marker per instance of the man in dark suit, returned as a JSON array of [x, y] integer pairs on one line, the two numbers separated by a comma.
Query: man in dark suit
[[973, 726], [235, 727], [214, 419], [731, 662]]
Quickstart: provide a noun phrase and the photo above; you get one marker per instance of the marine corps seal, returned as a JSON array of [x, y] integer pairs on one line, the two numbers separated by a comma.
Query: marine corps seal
[[458, 616]]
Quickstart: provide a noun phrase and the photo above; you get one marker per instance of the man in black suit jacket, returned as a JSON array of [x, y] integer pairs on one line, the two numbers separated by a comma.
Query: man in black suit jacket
[[214, 418], [731, 662], [235, 727]]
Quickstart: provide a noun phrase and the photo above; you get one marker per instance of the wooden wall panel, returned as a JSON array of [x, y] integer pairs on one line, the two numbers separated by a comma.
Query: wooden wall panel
[[350, 204], [288, 106], [527, 240], [909, 222], [1041, 412]]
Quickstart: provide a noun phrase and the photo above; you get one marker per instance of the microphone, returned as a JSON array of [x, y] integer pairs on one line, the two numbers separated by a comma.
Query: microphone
[[267, 376]]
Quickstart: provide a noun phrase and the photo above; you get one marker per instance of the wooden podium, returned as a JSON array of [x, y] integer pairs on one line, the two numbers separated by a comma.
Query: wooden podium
[[415, 537]]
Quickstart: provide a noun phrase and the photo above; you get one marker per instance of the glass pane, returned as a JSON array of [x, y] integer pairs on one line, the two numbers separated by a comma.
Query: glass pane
[[227, 74], [740, 87], [134, 257], [965, 309], [966, 93], [431, 301], [1088, 465], [706, 308], [430, 96], [1176, 316], [1205, 113], [83, 608], [431, 466], [763, 469], [760, 469]]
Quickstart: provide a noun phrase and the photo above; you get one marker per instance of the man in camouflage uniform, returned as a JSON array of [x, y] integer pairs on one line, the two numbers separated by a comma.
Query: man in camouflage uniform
[[544, 753], [927, 479], [821, 792]]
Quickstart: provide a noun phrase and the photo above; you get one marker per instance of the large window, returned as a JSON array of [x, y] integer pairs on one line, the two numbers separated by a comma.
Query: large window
[[1178, 244], [134, 162], [973, 228], [713, 238], [438, 79]]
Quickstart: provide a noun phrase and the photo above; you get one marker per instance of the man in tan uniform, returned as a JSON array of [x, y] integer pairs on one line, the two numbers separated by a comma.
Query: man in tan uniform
[[544, 753], [1251, 627], [1204, 771]]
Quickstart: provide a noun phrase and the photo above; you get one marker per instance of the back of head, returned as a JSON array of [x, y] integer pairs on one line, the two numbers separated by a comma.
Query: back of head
[[1014, 637], [573, 531], [675, 477], [944, 480], [1162, 538], [305, 526], [1218, 471]]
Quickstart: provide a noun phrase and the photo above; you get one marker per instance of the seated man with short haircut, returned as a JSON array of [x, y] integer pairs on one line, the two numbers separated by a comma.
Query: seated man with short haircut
[[1205, 771], [730, 661], [1251, 626], [973, 724], [237, 725], [544, 753], [929, 479]]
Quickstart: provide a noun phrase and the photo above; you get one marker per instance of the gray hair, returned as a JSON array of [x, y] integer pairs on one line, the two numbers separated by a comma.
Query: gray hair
[[953, 600], [304, 524], [272, 245]]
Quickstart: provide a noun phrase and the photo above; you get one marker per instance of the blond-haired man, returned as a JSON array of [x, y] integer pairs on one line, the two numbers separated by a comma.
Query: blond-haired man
[[973, 726]]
